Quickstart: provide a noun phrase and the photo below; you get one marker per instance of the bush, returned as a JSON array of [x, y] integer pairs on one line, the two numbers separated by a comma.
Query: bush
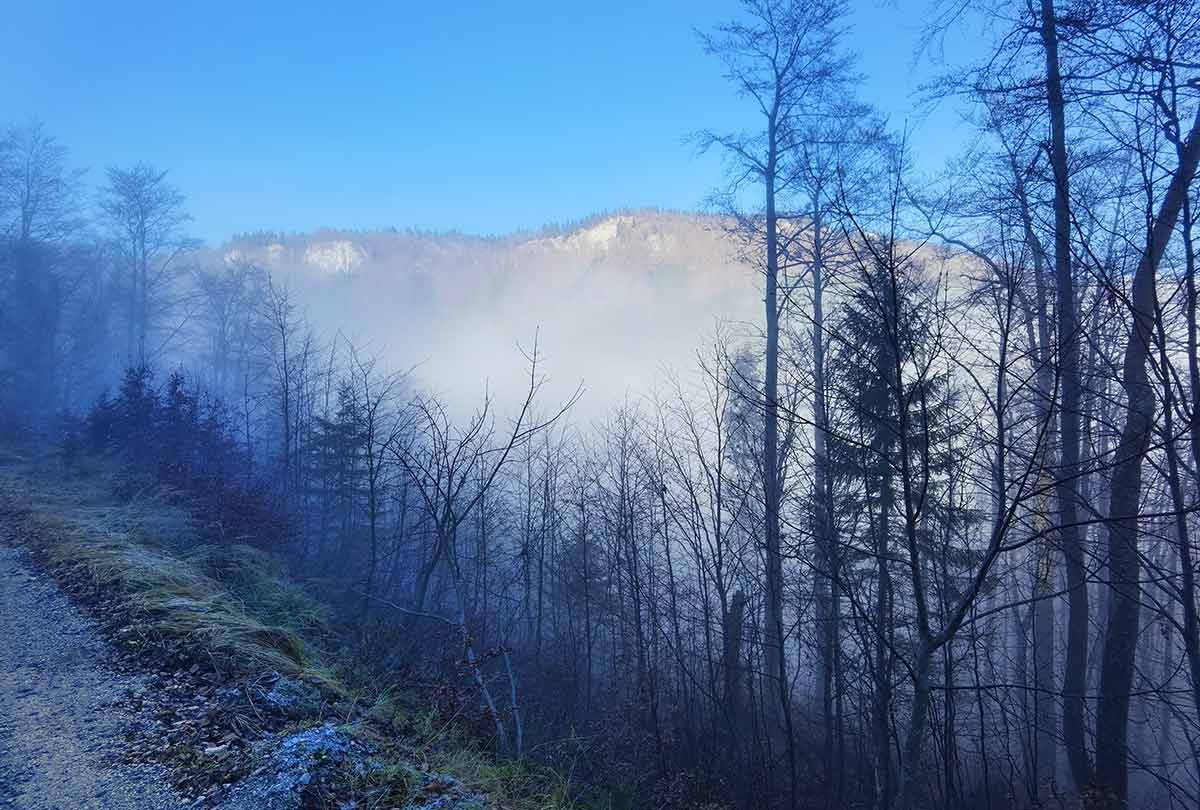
[[180, 438]]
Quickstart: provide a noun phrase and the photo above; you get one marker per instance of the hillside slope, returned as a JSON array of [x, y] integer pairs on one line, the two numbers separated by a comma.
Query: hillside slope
[[142, 668]]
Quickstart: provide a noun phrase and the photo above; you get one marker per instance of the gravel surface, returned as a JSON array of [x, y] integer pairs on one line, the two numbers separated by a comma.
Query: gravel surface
[[61, 716]]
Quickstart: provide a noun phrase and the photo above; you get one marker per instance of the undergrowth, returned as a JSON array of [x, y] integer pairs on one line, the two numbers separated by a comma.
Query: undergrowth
[[227, 605], [233, 609]]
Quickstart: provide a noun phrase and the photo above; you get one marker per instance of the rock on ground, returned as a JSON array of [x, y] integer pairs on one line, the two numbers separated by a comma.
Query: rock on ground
[[293, 698], [444, 792], [292, 763]]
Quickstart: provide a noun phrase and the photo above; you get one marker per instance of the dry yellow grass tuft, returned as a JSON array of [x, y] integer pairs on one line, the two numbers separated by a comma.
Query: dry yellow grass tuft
[[228, 605]]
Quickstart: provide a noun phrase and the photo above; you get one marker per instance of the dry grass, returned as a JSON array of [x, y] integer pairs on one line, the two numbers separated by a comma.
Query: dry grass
[[168, 597], [228, 605]]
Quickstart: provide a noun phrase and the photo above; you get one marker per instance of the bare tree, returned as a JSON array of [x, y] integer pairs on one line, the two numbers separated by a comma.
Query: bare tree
[[40, 212], [782, 56], [380, 426], [145, 218], [229, 296], [442, 462]]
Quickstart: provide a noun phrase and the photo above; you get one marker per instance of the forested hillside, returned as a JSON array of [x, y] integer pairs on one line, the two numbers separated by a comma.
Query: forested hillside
[[866, 486], [596, 292]]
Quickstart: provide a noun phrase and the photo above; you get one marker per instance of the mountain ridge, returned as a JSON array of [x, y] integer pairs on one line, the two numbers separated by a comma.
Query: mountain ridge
[[340, 251]]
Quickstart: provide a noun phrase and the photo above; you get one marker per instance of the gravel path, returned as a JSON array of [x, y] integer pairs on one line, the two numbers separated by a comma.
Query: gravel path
[[61, 715]]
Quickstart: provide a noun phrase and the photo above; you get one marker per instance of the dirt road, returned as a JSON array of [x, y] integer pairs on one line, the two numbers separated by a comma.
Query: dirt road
[[62, 722]]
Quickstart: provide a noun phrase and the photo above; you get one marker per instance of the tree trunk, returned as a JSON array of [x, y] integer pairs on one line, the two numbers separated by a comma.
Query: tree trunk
[[775, 664], [1121, 630], [826, 575], [1191, 625], [1075, 667]]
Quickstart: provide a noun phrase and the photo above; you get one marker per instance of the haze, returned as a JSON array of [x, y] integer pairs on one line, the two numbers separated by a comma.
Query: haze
[[733, 404]]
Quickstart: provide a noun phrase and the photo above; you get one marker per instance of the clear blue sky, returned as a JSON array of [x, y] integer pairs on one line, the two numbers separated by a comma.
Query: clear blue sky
[[479, 116]]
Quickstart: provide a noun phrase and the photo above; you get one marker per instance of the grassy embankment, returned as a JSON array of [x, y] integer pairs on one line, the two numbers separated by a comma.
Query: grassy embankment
[[173, 600]]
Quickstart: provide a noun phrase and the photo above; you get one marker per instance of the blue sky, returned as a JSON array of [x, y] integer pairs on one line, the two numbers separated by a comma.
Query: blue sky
[[484, 117]]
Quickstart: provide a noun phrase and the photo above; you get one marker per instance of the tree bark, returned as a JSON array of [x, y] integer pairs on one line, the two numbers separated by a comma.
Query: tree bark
[[775, 664], [1121, 631], [826, 575], [1067, 486]]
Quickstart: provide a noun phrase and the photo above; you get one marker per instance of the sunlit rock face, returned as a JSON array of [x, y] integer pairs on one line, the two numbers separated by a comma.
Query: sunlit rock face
[[336, 257], [612, 301]]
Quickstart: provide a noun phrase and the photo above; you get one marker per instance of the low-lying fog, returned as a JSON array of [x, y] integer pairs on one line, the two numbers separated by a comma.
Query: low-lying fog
[[612, 302]]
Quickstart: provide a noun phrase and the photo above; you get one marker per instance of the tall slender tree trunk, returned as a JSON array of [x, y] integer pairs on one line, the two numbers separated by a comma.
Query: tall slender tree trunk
[[827, 576], [143, 310], [881, 711], [775, 664], [1121, 630], [1067, 488], [773, 636], [1042, 612], [1191, 625]]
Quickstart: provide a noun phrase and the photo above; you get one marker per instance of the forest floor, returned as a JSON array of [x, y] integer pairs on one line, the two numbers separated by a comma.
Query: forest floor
[[63, 704], [141, 668]]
